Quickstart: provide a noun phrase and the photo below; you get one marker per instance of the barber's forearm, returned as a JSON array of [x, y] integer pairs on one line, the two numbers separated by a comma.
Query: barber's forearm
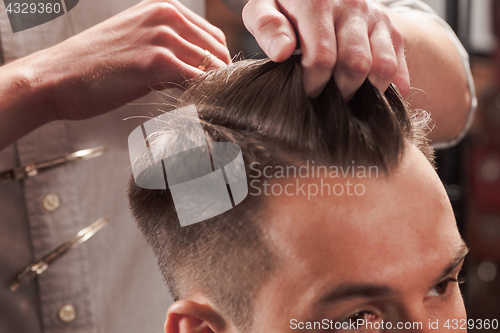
[[436, 68], [24, 101], [107, 66]]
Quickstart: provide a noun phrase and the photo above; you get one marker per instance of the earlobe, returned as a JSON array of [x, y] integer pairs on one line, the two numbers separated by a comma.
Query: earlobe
[[187, 316]]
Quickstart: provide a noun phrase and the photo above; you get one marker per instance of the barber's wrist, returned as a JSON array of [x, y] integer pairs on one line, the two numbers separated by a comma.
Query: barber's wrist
[[39, 95], [34, 89], [23, 102]]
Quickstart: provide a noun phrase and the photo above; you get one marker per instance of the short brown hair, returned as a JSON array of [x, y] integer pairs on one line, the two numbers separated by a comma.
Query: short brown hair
[[261, 106]]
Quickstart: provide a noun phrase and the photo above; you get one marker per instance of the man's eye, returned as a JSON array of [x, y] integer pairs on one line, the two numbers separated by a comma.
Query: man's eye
[[352, 324], [441, 288], [365, 315]]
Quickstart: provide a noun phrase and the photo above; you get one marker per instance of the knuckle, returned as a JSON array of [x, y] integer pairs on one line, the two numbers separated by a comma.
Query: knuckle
[[324, 55], [381, 14], [168, 11], [158, 58], [386, 68], [359, 4], [358, 63], [266, 22], [161, 34]]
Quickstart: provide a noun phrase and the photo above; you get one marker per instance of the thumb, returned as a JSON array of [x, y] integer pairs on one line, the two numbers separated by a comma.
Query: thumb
[[272, 30]]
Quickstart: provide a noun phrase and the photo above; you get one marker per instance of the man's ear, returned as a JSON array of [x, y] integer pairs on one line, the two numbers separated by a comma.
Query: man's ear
[[187, 316]]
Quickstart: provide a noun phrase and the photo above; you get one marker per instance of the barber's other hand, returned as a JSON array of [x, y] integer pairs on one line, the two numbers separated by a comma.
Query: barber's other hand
[[154, 43], [353, 39]]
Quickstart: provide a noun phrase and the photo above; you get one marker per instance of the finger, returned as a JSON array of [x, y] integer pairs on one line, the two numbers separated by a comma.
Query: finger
[[319, 51], [271, 29], [402, 78], [167, 70], [200, 22], [184, 50], [192, 33], [195, 56], [167, 15], [354, 56], [384, 58]]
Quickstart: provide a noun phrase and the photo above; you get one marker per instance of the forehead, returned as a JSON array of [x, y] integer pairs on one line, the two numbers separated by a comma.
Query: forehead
[[399, 226]]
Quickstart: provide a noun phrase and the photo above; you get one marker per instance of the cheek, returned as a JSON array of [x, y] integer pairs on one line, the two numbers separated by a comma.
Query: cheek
[[457, 305], [459, 308], [451, 311]]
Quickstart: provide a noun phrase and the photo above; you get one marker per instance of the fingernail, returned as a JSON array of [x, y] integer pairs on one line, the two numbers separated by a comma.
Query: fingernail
[[277, 45]]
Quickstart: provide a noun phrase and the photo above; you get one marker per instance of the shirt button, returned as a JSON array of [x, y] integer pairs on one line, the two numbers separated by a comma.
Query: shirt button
[[67, 313], [51, 202]]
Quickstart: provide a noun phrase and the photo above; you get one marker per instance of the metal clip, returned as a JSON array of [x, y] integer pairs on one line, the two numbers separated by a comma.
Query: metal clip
[[31, 170], [33, 270]]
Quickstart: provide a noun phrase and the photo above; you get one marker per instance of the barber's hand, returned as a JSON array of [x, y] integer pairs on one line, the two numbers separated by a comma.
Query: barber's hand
[[153, 44], [353, 39]]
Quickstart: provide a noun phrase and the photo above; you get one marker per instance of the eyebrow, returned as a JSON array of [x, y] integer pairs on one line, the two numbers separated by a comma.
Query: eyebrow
[[353, 290]]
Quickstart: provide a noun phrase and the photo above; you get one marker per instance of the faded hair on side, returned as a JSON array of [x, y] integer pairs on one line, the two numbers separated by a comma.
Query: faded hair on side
[[261, 106]]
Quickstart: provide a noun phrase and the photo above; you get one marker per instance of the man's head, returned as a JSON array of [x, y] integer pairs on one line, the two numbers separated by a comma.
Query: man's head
[[277, 261]]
